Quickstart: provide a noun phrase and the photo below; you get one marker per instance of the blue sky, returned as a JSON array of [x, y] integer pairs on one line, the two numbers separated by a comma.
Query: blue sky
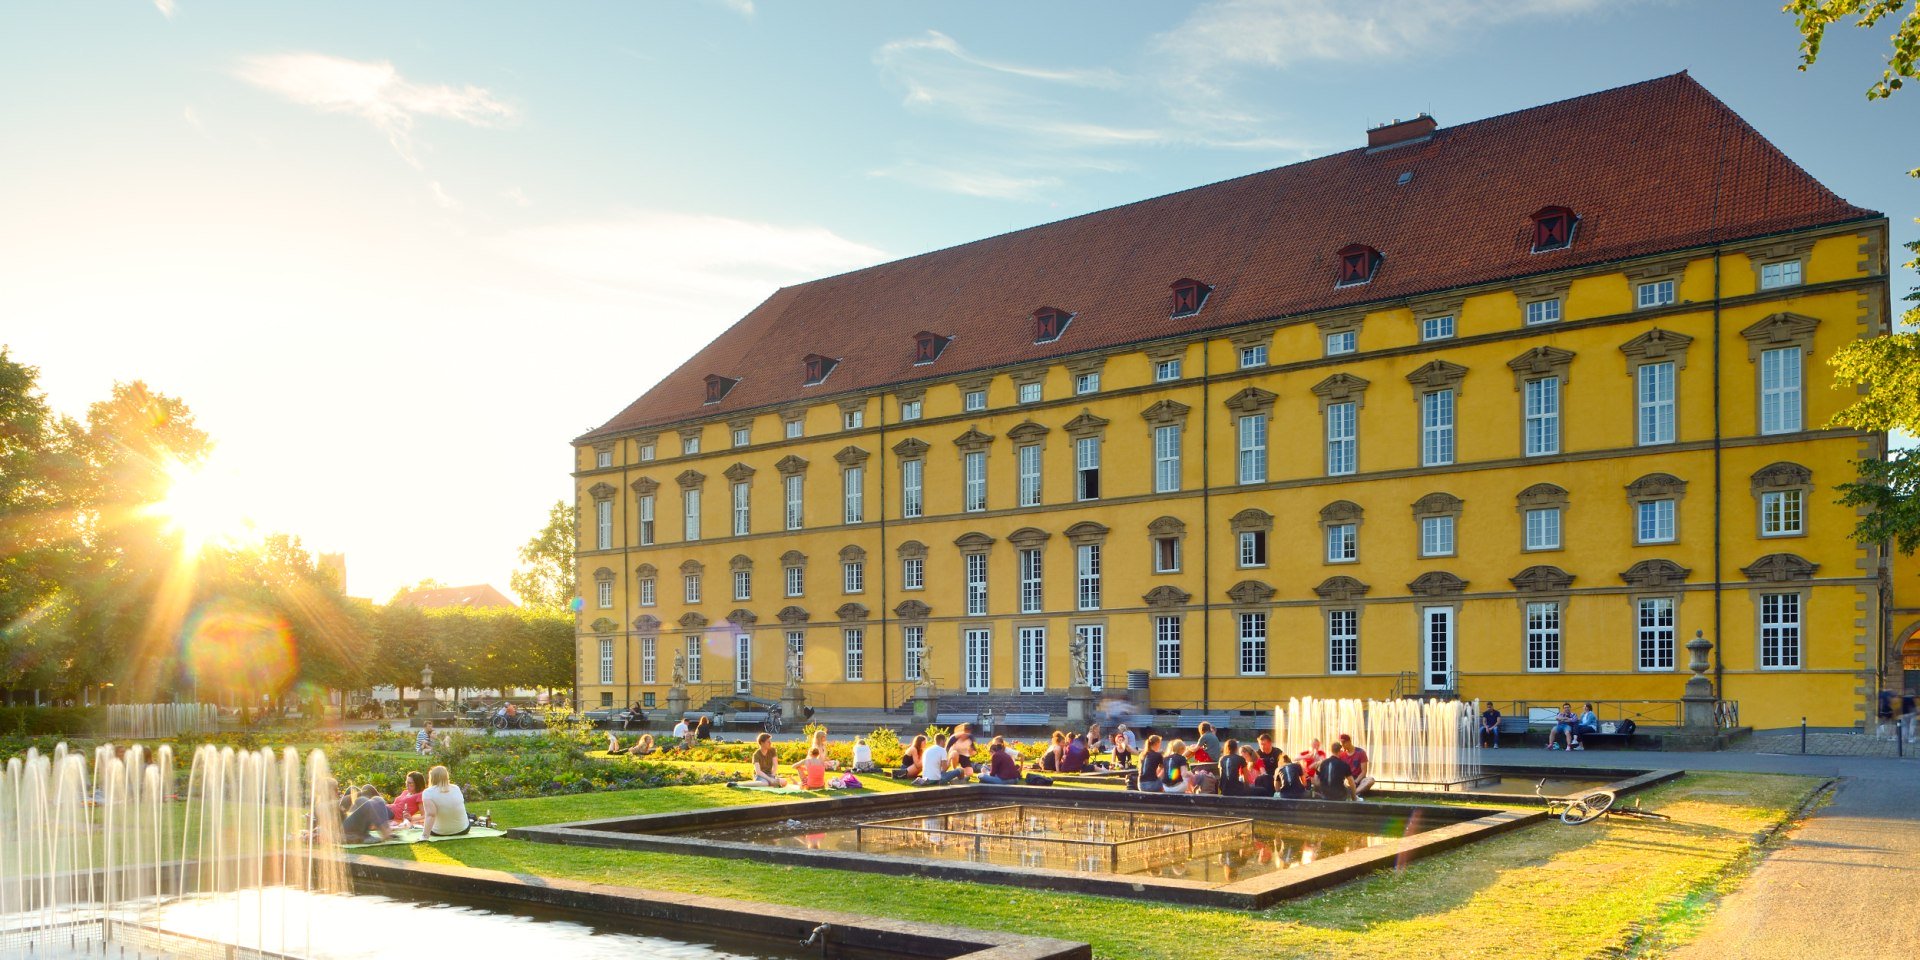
[[397, 255]]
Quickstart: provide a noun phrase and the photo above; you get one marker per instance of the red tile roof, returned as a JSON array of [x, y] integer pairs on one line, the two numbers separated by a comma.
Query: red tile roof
[[478, 596], [1654, 166]]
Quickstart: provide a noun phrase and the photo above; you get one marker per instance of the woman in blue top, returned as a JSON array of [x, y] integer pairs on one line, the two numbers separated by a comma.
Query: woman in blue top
[[1174, 779]]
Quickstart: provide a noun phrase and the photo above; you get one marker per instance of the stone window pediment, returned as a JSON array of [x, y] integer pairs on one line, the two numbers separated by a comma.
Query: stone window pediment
[[646, 570], [1542, 495], [969, 384], [793, 558], [1086, 531], [853, 553], [1761, 254], [1781, 475], [1166, 413], [602, 491], [1341, 588], [1341, 388], [1428, 308], [910, 448], [792, 616], [851, 612], [1085, 425], [1252, 518], [1656, 485], [1029, 375], [690, 479], [742, 617], [973, 542], [1541, 290], [1342, 511], [911, 548], [1655, 574], [739, 473], [1080, 366], [1249, 593], [1437, 504], [1342, 322], [1161, 352], [973, 440], [602, 574], [1780, 568], [1027, 431], [691, 433], [851, 456], [1167, 527], [912, 610], [646, 623], [692, 567], [1542, 361], [1167, 595], [603, 625], [1542, 579], [645, 487], [910, 394], [1252, 400], [692, 621], [1656, 346], [790, 465], [1437, 375], [1027, 538], [1255, 337], [853, 405], [1780, 330], [1437, 583]]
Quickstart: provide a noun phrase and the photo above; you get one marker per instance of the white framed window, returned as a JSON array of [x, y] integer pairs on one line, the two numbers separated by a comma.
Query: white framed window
[[1086, 383], [1543, 311], [647, 452], [742, 511], [1543, 528], [1166, 371], [1086, 458], [1253, 644], [1342, 342], [1166, 554], [741, 436], [797, 653], [603, 524], [909, 410], [691, 582], [1436, 428], [1654, 386], [1032, 587], [689, 445], [1166, 646], [1780, 631], [1437, 328], [795, 428], [912, 504], [606, 660], [853, 640], [1093, 640], [1653, 522], [853, 576], [1543, 416], [975, 470], [696, 672], [976, 567], [1782, 513], [649, 659], [1087, 562], [914, 645], [690, 501], [646, 520], [1436, 536], [743, 584], [796, 581], [975, 400], [603, 458], [743, 663], [853, 419], [795, 487], [1342, 438], [1166, 459], [1543, 636], [1780, 390], [1343, 542], [1654, 639], [1659, 293], [853, 490], [1033, 659], [913, 573], [1253, 548], [606, 594], [1343, 641], [649, 592], [1254, 356], [1028, 457], [1030, 392], [1253, 448], [1783, 274]]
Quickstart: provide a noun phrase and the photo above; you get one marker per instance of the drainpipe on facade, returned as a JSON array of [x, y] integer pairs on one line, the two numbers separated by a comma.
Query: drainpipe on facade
[[1719, 637], [626, 567], [880, 469], [1206, 526]]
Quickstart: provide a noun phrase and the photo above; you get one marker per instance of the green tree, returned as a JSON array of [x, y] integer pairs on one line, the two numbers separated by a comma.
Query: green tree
[[547, 580], [36, 529], [1885, 369]]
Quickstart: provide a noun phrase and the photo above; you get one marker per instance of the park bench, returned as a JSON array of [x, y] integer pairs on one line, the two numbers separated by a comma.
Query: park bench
[[950, 719], [1024, 720], [1514, 728], [748, 717], [1192, 721], [604, 717]]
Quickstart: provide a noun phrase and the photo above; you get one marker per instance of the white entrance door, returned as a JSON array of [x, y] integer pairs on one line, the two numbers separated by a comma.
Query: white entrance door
[[1439, 647], [1093, 637], [979, 660], [743, 663], [1033, 659]]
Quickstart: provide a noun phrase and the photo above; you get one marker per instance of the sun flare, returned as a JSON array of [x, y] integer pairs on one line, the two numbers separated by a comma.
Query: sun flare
[[203, 505]]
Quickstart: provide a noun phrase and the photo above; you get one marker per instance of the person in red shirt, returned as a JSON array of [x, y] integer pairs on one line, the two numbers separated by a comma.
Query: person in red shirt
[[812, 770], [1001, 765], [406, 806], [1357, 758]]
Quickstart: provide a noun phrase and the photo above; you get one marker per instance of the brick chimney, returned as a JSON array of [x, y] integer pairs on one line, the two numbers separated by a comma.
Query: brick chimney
[[1400, 131]]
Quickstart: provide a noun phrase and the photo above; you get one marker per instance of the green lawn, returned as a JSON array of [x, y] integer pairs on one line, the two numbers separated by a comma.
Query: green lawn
[[1613, 888]]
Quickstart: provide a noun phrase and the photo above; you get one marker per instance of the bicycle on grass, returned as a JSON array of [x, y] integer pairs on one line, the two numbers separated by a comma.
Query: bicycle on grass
[[1585, 808]]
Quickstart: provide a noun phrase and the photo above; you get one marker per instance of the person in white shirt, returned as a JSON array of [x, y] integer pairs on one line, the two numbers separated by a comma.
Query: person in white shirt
[[933, 765], [443, 808], [862, 756], [683, 733]]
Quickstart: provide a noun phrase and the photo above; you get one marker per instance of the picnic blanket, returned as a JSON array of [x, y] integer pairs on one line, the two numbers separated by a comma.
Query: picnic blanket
[[414, 835], [789, 788]]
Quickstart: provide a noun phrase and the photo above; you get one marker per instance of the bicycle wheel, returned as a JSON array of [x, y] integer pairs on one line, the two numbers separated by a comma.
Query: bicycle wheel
[[1599, 801], [1578, 813]]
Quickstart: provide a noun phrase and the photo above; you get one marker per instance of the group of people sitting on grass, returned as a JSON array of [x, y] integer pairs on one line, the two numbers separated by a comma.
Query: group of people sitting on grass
[[433, 803], [1257, 769], [810, 771]]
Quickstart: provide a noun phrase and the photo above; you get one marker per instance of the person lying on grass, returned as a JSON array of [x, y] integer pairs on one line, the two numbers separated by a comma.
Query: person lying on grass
[[370, 817]]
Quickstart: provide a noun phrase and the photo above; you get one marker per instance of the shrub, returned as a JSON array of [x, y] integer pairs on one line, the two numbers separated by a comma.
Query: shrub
[[27, 721]]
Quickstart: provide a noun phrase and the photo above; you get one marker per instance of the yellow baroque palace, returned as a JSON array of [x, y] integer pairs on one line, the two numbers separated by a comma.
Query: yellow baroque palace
[[1509, 410]]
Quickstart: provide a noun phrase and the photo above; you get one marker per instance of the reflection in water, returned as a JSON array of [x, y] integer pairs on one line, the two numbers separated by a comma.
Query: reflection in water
[[956, 832]]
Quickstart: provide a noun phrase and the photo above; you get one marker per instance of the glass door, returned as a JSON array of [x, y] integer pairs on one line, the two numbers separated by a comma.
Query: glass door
[[1033, 659], [1439, 647], [743, 663], [1093, 641], [979, 652]]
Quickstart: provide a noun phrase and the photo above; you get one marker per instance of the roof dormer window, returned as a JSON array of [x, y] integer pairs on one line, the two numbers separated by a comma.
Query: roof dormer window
[[818, 367], [717, 387], [1553, 229], [927, 346], [1357, 265], [1189, 295], [1049, 323]]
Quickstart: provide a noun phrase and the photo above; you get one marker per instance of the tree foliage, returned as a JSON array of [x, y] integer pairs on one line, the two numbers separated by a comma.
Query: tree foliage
[[1815, 16], [547, 580]]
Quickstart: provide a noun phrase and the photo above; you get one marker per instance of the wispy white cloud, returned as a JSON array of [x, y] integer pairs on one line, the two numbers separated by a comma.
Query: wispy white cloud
[[934, 41], [517, 196], [979, 181], [441, 197], [741, 7], [166, 8], [937, 73], [192, 117], [374, 91], [680, 261]]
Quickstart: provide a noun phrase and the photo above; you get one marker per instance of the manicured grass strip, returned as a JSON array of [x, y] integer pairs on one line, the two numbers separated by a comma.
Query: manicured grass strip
[[1568, 891]]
